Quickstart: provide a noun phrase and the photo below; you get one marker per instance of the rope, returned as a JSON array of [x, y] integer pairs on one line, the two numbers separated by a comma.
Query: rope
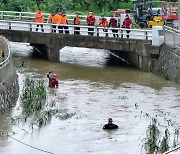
[[119, 57], [173, 149], [30, 145]]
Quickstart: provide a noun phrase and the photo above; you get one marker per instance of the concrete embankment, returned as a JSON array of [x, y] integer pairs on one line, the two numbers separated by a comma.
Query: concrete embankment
[[168, 64], [9, 88]]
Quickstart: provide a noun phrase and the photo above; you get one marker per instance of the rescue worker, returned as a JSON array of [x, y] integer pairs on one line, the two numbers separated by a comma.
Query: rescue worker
[[113, 24], [39, 19], [104, 22], [53, 83], [77, 22], [59, 16], [64, 21], [90, 22], [126, 24], [53, 19], [110, 125]]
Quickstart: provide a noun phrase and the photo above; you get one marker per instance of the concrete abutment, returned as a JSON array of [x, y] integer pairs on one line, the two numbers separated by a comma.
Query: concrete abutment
[[143, 62], [168, 64]]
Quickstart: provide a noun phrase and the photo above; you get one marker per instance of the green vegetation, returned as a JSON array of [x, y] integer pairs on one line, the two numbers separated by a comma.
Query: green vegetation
[[165, 142], [127, 5], [33, 97], [153, 142], [70, 6], [36, 109]]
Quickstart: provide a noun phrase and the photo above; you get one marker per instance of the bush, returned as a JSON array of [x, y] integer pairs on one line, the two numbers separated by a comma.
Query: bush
[[124, 5]]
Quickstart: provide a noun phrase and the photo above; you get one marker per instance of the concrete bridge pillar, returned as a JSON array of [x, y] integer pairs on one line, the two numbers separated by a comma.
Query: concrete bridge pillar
[[53, 53], [49, 51]]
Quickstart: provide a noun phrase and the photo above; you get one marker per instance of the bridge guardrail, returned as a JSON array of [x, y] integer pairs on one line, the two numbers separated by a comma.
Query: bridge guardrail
[[172, 37], [30, 16], [6, 63], [98, 31]]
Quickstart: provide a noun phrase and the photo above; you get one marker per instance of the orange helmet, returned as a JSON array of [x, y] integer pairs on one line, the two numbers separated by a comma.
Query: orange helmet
[[54, 75]]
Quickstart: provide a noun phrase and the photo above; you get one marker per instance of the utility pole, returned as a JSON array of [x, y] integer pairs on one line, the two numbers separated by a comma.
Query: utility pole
[[179, 14]]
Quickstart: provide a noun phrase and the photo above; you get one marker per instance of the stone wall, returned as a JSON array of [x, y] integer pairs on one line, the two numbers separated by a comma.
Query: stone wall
[[9, 88], [9, 91], [168, 64]]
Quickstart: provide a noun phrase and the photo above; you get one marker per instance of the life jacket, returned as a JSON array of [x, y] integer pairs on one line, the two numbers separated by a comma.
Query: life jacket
[[53, 18], [113, 23], [103, 22], [127, 22], [53, 83], [39, 16], [90, 20], [58, 18], [64, 20], [76, 20]]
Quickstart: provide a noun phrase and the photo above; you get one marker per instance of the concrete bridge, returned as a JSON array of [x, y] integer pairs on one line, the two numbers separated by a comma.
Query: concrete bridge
[[138, 49]]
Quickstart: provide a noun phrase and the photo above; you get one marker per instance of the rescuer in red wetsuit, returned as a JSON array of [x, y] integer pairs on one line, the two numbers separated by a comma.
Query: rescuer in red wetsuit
[[53, 83], [126, 24]]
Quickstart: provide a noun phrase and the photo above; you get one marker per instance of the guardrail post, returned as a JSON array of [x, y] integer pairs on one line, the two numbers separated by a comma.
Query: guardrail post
[[73, 29], [51, 29], [96, 31], [20, 16], [146, 35], [121, 33], [2, 15], [30, 27], [8, 25]]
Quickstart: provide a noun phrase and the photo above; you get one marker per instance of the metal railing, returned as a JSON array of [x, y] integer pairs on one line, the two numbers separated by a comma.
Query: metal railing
[[97, 31], [30, 16], [5, 64], [172, 37]]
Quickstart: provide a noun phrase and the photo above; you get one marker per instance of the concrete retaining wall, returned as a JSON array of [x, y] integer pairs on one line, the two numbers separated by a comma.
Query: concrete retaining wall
[[168, 64], [9, 91], [9, 88]]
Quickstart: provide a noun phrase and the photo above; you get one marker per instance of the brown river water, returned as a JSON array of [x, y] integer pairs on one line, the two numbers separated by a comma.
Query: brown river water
[[92, 91]]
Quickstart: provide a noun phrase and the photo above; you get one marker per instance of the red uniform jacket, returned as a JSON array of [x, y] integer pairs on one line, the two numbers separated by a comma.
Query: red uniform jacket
[[90, 20], [113, 23], [53, 83], [127, 22]]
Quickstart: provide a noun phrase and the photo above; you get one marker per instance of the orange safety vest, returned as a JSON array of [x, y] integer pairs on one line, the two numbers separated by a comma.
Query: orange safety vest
[[64, 20], [39, 16], [53, 18], [103, 22], [58, 18], [76, 20]]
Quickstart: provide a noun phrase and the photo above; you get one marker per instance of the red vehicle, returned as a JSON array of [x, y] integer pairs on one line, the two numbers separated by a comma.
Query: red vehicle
[[169, 13]]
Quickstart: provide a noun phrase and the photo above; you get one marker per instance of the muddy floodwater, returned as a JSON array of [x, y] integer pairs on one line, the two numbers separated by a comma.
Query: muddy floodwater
[[91, 91]]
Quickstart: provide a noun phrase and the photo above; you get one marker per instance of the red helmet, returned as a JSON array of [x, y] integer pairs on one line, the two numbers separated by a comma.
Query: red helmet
[[54, 75]]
